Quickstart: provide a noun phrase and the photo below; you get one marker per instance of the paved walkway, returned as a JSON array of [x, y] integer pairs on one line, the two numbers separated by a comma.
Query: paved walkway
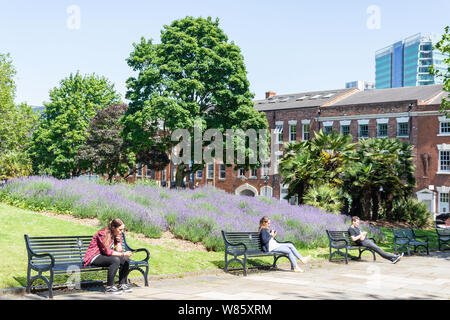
[[415, 277]]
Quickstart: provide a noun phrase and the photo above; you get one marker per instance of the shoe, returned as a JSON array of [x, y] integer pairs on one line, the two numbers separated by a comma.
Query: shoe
[[305, 260], [113, 290], [125, 288], [398, 258], [299, 270]]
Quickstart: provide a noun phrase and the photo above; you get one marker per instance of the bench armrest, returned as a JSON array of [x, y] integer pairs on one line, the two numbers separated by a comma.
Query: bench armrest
[[397, 237], [142, 250], [43, 255], [422, 237], [227, 243]]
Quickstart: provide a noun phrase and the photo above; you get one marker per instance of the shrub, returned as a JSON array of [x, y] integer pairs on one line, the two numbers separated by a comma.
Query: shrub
[[412, 212]]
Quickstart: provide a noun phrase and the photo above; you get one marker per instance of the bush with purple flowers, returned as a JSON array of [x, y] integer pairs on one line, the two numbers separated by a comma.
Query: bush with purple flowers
[[196, 215]]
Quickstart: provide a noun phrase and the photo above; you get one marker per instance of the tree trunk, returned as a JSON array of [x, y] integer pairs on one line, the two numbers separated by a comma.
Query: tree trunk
[[389, 202], [180, 174], [375, 205]]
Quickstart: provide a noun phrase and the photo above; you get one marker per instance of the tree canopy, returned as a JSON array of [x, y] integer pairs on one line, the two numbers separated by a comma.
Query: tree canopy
[[194, 76]]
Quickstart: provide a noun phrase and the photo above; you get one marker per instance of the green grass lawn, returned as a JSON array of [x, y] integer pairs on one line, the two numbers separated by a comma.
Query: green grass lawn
[[16, 222], [13, 257]]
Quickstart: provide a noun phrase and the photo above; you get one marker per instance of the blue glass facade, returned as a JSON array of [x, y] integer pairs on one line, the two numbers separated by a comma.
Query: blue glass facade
[[406, 63], [397, 65]]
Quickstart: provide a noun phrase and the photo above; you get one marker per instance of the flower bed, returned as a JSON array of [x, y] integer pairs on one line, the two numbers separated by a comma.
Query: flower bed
[[196, 215]]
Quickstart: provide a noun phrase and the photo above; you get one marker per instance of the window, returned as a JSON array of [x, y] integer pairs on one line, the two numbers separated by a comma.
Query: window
[[265, 171], [444, 161], [210, 171], [254, 173], [199, 174], [327, 129], [279, 133], [150, 173], [163, 175], [443, 202], [266, 192], [306, 132], [292, 133], [222, 172], [444, 128], [382, 129], [139, 170], [363, 130], [241, 172], [345, 129], [403, 129]]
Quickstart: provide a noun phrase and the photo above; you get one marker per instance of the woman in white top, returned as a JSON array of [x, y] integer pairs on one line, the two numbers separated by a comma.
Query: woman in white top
[[269, 244]]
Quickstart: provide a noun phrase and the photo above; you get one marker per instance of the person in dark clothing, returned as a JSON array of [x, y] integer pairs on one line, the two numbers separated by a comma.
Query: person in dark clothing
[[268, 243], [360, 239], [105, 250]]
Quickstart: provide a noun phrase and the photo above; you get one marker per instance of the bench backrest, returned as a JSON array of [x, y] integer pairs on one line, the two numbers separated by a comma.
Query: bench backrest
[[443, 232], [250, 239], [404, 233], [339, 235], [66, 249]]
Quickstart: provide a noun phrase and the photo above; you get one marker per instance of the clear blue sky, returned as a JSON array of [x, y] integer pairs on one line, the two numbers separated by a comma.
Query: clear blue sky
[[288, 46]]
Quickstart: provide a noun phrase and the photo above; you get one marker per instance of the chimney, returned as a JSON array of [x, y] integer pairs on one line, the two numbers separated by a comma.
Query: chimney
[[270, 94]]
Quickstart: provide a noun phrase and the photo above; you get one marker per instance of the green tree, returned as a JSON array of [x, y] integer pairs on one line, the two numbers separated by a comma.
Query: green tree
[[16, 124], [195, 75], [321, 160], [383, 172], [105, 152], [65, 120], [444, 46]]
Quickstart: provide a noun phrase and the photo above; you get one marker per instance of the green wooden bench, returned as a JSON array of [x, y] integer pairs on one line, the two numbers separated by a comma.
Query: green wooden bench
[[341, 242], [443, 237], [64, 255], [247, 244], [407, 238]]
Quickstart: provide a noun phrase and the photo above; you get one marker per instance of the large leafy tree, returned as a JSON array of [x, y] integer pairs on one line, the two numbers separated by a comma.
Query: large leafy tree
[[383, 173], [16, 124], [321, 160], [65, 121], [195, 75], [444, 46]]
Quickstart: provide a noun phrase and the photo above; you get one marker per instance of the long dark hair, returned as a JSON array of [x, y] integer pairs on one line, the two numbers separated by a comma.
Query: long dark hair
[[116, 223], [263, 221]]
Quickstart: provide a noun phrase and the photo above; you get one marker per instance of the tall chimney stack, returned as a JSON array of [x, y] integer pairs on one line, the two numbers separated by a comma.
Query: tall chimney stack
[[270, 94]]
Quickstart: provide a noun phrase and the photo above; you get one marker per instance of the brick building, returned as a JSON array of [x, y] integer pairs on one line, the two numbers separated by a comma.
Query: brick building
[[410, 114]]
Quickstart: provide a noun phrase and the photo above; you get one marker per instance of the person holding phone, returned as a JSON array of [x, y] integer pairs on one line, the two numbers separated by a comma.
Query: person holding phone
[[270, 244], [105, 250], [361, 239]]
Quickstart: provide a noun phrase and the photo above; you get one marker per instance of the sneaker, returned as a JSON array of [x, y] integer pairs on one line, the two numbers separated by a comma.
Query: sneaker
[[398, 258], [113, 290], [305, 260], [125, 288], [299, 270]]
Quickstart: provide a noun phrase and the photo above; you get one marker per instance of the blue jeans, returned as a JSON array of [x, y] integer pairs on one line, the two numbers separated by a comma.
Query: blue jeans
[[289, 249]]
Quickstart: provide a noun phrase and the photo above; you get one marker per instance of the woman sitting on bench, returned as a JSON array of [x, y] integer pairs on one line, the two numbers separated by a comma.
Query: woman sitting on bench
[[269, 244], [101, 254]]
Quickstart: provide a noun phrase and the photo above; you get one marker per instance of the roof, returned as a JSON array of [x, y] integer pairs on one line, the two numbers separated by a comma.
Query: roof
[[301, 100], [421, 94]]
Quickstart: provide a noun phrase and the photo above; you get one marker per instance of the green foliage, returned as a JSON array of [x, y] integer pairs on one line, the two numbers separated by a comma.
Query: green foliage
[[324, 197], [65, 120], [444, 46], [14, 164], [412, 212], [320, 160], [194, 76], [104, 151]]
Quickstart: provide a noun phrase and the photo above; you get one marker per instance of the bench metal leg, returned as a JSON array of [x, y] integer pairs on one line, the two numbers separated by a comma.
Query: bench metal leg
[[144, 273], [44, 278]]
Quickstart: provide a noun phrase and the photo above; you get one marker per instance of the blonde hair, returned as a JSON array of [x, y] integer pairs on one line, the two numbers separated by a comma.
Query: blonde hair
[[262, 222]]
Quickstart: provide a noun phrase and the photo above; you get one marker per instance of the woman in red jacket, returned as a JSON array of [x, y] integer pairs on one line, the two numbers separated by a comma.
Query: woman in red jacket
[[105, 250]]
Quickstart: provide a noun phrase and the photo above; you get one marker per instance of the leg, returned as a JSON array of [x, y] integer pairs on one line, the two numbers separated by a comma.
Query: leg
[[285, 249], [371, 245], [112, 263], [124, 270]]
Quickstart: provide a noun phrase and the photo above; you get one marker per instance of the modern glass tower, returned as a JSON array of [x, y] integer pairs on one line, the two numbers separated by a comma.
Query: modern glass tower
[[406, 63]]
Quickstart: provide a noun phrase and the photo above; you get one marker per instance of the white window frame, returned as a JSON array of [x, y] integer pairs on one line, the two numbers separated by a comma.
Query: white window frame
[[253, 173], [399, 121], [443, 120], [266, 191], [208, 171], [222, 169], [445, 203], [292, 124], [443, 148], [306, 132], [241, 172]]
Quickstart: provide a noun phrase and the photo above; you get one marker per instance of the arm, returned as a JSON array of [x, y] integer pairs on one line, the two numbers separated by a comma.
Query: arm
[[265, 236]]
